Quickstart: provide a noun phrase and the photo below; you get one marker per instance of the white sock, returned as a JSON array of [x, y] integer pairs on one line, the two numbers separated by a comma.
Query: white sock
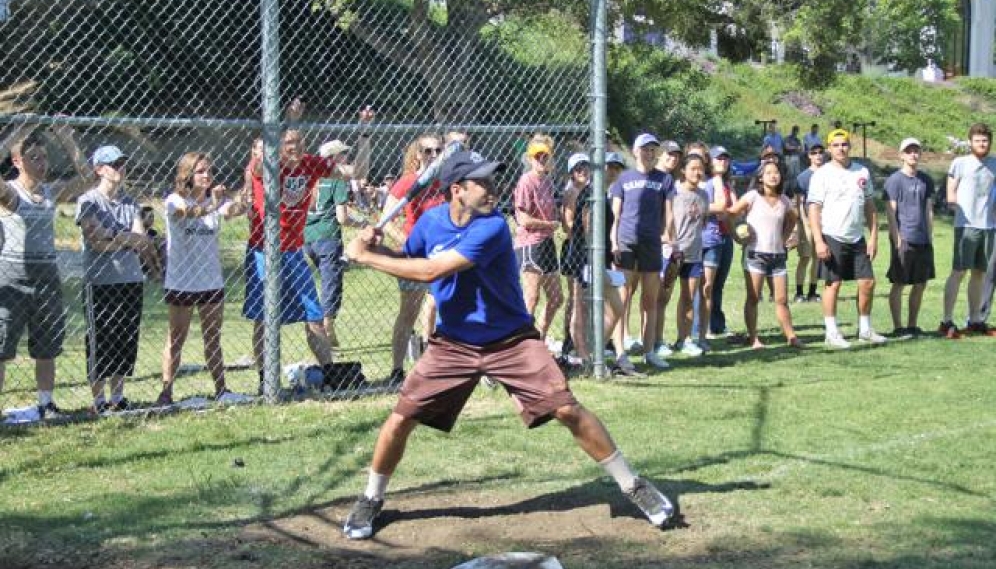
[[864, 323], [830, 323], [44, 397], [617, 467], [376, 485]]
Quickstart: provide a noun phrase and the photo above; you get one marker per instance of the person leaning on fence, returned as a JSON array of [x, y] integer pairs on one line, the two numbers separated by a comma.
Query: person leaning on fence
[[770, 219], [909, 194], [841, 205], [114, 245], [464, 249], [575, 252], [326, 216], [418, 155], [194, 278], [971, 194], [299, 173], [536, 221], [30, 286]]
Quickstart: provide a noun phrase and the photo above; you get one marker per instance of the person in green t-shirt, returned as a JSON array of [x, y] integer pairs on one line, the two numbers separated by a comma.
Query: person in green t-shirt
[[323, 229]]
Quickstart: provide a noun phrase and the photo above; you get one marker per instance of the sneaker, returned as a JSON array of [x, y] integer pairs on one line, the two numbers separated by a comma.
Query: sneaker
[[100, 408], [626, 366], [632, 345], [799, 298], [871, 337], [706, 347], [359, 524], [690, 348], [949, 330], [980, 328], [836, 341], [164, 399], [653, 360], [813, 297], [902, 333], [651, 502], [49, 411], [122, 405], [915, 331], [663, 351]]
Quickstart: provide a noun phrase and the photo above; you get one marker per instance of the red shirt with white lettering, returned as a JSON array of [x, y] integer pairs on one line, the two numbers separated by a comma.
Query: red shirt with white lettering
[[296, 187]]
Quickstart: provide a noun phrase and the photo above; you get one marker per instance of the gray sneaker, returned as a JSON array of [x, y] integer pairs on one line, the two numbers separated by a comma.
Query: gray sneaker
[[651, 502], [871, 337], [359, 524]]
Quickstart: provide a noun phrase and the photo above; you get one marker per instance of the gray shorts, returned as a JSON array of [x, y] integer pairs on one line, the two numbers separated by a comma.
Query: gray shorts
[[35, 304], [539, 258], [972, 248]]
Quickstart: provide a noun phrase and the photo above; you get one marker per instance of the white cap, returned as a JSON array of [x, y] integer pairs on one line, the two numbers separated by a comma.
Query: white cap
[[907, 142], [332, 147], [645, 139], [577, 158]]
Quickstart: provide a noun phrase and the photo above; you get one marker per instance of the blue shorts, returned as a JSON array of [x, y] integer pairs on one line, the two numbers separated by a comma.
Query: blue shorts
[[298, 297], [712, 256], [691, 270]]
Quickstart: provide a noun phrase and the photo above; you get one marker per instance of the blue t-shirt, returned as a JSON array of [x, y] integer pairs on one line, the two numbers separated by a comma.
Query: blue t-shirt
[[803, 183], [712, 231], [643, 201], [484, 303]]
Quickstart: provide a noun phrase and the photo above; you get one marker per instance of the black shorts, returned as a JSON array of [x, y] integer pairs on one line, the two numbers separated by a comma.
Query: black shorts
[[199, 298], [914, 264], [113, 316], [847, 262], [644, 256], [539, 258]]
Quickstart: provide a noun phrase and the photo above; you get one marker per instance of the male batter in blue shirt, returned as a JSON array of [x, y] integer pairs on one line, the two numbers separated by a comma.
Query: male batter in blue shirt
[[464, 249]]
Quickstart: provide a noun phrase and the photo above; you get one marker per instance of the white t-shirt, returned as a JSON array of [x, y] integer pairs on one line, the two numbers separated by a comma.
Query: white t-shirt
[[974, 197], [767, 221], [842, 192], [193, 258]]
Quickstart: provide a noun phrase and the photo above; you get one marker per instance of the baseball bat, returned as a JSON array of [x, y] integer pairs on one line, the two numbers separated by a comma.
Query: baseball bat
[[425, 179]]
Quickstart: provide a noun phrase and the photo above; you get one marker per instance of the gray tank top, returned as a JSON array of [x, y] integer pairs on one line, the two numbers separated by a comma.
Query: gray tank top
[[28, 248]]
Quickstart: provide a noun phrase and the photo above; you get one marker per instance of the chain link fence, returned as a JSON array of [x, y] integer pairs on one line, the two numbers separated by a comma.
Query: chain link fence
[[158, 80]]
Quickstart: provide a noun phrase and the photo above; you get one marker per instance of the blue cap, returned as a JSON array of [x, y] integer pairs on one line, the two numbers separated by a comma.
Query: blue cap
[[645, 139], [718, 151], [577, 158], [614, 158], [467, 166], [107, 155]]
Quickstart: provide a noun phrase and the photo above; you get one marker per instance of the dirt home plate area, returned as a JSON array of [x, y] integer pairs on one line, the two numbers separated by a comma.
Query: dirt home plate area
[[442, 531]]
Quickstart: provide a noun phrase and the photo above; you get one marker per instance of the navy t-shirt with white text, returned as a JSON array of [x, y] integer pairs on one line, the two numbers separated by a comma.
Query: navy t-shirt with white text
[[484, 303], [643, 201]]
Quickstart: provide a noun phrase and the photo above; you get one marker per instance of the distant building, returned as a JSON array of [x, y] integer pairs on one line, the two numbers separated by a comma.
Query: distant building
[[971, 48]]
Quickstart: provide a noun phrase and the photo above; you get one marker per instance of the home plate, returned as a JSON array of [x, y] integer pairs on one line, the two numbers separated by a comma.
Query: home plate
[[513, 560]]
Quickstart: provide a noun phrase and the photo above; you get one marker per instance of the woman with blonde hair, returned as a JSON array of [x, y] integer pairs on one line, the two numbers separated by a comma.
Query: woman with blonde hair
[[194, 277], [418, 155]]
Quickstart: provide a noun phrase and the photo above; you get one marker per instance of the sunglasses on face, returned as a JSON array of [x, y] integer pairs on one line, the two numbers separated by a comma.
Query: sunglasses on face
[[433, 150], [541, 157], [815, 152], [117, 164]]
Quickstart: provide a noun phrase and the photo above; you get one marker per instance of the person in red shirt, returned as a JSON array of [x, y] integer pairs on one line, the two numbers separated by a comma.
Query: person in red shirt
[[419, 154], [299, 173]]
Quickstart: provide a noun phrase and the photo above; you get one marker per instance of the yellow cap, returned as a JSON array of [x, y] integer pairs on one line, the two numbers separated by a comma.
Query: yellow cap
[[535, 148], [838, 132]]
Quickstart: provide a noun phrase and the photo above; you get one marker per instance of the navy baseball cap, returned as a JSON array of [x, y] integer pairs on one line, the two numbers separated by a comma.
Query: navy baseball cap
[[467, 166]]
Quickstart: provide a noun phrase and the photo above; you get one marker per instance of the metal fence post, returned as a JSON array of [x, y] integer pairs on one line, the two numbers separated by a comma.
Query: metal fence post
[[598, 121], [270, 73]]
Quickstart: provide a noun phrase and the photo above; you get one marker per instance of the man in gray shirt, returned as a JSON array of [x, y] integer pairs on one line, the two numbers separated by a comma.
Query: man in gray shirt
[[909, 194]]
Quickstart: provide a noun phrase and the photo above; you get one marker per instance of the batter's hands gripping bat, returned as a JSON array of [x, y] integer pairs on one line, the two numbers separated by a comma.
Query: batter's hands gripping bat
[[425, 179]]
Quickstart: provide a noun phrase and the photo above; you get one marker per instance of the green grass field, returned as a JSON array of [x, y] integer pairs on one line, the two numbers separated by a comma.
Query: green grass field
[[875, 457]]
